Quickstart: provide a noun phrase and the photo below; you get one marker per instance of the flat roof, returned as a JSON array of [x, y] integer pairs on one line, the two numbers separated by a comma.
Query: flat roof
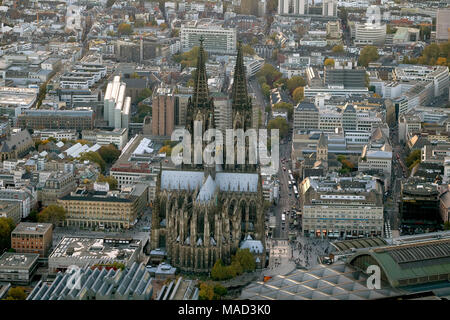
[[18, 260], [32, 228]]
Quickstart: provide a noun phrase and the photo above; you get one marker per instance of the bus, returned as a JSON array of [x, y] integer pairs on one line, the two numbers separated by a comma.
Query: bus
[[290, 184], [295, 191]]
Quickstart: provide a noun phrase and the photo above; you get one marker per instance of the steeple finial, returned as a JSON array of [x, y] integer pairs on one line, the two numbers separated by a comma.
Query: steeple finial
[[239, 92], [200, 95]]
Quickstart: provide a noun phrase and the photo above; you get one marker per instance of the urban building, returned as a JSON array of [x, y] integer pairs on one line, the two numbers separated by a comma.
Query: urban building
[[163, 111], [292, 7], [341, 207], [377, 154], [77, 119], [88, 252], [329, 8], [30, 237], [306, 116], [14, 100], [116, 111], [370, 34], [16, 145], [345, 75], [10, 209], [216, 38], [18, 268], [105, 209], [26, 198], [118, 137], [442, 24], [57, 134], [57, 185]]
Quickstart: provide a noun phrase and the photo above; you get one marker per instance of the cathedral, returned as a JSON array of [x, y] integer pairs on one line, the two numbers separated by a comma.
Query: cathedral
[[203, 213]]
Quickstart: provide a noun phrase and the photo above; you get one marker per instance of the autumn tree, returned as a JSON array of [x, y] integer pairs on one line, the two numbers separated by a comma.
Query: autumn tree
[[298, 94], [245, 258], [270, 73], [53, 214], [17, 293], [124, 29], [285, 106], [248, 50], [93, 157], [339, 48], [109, 179], [295, 82], [368, 54], [189, 58], [328, 62], [6, 227]]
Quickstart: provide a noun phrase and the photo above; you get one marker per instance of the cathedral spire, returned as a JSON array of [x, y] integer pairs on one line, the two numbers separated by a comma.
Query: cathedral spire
[[200, 95], [239, 93]]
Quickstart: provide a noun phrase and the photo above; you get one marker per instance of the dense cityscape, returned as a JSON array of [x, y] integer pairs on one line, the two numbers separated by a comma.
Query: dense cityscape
[[224, 150]]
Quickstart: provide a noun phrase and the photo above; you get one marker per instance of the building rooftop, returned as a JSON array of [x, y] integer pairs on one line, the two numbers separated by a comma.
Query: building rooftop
[[18, 260], [32, 228]]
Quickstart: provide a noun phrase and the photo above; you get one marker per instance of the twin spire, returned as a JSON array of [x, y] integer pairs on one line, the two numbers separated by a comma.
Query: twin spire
[[200, 97]]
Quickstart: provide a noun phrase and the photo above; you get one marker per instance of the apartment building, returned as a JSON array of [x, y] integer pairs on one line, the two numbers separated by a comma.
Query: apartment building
[[56, 186]]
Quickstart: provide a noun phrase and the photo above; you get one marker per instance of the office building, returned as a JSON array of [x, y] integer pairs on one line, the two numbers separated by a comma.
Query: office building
[[84, 251], [377, 154], [341, 207], [18, 268], [104, 209], [329, 8], [292, 7], [14, 100], [344, 75], [26, 198], [419, 207], [216, 39], [370, 34], [116, 110], [118, 137], [77, 119], [306, 116], [163, 111], [442, 24], [57, 134], [30, 237]]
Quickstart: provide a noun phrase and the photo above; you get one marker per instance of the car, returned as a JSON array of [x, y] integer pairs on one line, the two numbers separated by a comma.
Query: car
[[284, 168]]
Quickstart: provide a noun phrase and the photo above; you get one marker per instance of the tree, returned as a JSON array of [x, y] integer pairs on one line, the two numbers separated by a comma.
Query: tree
[[413, 157], [93, 157], [53, 214], [447, 225], [368, 54], [124, 29], [265, 88], [219, 291], [270, 73], [109, 3], [218, 271], [248, 50], [42, 93], [109, 153], [134, 75], [285, 106], [206, 291], [6, 227], [189, 58], [298, 94], [245, 258], [295, 82], [280, 124], [328, 62], [17, 293], [109, 179], [72, 39], [339, 48], [144, 95]]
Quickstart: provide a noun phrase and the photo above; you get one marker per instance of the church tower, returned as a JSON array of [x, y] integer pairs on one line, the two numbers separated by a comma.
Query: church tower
[[322, 149], [241, 103]]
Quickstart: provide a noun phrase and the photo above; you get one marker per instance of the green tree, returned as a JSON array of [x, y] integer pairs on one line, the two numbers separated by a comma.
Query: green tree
[[218, 271], [447, 225], [110, 180], [53, 214], [270, 73], [298, 94], [72, 39], [93, 157], [368, 54], [248, 50], [189, 58], [42, 93], [285, 106], [295, 82], [245, 258], [280, 124], [124, 29], [109, 153], [144, 95], [17, 293], [134, 75], [6, 227], [265, 88], [219, 291]]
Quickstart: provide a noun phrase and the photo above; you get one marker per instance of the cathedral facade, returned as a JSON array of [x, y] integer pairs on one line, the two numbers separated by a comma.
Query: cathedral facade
[[204, 213]]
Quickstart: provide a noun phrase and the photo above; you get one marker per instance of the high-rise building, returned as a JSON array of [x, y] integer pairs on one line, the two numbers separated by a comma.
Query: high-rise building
[[329, 8], [163, 111], [250, 7], [116, 106], [442, 25], [294, 7], [216, 38]]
